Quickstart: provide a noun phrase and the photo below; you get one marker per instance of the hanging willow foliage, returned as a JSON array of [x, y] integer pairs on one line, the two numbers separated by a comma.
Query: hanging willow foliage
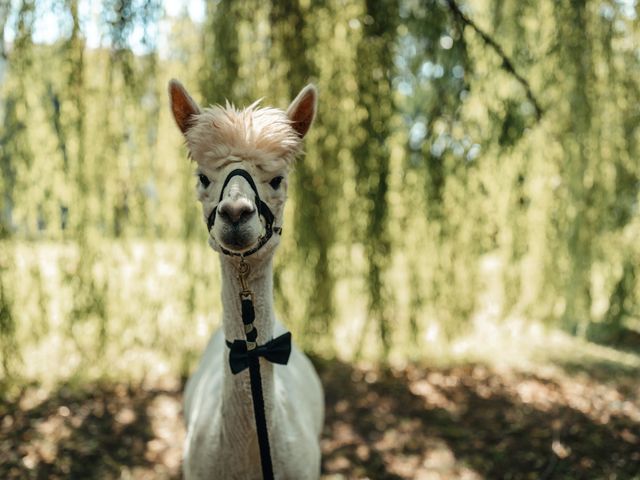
[[293, 41], [471, 162], [375, 52], [221, 52]]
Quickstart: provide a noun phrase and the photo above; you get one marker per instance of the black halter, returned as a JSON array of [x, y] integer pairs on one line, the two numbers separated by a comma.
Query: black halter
[[263, 210]]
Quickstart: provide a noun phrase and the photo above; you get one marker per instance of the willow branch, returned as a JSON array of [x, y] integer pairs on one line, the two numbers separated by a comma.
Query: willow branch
[[507, 64], [5, 7]]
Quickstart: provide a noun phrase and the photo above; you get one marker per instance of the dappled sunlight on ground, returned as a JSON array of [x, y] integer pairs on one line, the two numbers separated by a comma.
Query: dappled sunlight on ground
[[470, 421], [100, 431], [474, 422]]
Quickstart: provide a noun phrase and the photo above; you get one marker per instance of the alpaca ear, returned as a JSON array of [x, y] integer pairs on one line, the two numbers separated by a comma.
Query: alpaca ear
[[302, 110], [182, 105]]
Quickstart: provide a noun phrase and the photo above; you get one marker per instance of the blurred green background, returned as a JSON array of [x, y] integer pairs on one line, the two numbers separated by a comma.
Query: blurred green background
[[469, 199], [473, 170]]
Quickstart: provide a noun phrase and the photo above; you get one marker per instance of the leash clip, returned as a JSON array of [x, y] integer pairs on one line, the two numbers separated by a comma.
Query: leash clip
[[243, 273]]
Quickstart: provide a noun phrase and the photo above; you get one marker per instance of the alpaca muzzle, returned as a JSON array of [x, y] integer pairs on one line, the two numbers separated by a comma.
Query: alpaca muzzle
[[241, 208]]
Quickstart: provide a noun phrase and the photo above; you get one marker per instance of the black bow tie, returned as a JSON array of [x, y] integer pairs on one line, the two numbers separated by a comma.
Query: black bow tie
[[276, 351]]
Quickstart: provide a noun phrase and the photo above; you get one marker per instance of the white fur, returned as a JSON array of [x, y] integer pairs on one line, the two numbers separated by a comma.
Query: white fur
[[251, 133], [221, 435], [221, 440]]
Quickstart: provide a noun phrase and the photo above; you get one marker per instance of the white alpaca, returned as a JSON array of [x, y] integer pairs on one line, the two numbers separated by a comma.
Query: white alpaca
[[221, 438]]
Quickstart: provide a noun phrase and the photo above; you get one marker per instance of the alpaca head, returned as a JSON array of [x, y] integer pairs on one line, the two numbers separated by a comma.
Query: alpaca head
[[261, 141]]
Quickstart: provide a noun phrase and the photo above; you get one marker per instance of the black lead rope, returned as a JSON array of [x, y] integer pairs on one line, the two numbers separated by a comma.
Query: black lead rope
[[246, 353], [261, 421]]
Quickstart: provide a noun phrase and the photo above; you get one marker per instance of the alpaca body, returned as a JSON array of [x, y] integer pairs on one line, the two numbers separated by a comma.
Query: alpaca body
[[221, 432], [222, 441]]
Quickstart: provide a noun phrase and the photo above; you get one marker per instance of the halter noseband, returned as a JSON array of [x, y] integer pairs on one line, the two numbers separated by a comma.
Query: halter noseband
[[263, 210]]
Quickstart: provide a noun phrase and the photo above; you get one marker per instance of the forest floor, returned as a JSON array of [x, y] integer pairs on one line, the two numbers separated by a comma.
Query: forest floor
[[574, 420]]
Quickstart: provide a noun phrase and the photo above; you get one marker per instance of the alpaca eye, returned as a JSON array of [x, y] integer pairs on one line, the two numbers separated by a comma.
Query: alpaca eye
[[275, 182], [204, 180]]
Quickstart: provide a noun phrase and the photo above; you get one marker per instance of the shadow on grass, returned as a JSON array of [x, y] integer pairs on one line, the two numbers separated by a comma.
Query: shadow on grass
[[620, 338], [96, 432], [626, 378], [460, 422], [466, 422]]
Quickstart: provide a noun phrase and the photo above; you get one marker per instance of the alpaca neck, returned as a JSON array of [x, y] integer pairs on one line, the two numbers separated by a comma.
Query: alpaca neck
[[237, 407], [260, 282]]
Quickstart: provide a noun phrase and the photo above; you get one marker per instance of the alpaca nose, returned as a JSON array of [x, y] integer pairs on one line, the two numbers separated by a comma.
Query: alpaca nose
[[236, 211]]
